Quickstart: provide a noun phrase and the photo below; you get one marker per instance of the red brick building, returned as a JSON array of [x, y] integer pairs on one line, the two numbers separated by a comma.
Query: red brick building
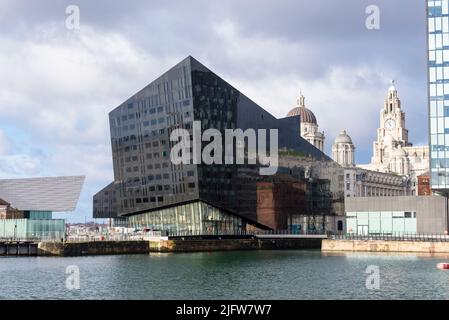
[[278, 199], [424, 185]]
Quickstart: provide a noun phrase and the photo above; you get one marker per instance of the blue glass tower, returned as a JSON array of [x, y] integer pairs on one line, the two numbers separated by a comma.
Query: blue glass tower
[[438, 79]]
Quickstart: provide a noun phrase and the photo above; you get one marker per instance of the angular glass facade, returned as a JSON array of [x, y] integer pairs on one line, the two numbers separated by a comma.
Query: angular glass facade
[[192, 218], [438, 77], [146, 182]]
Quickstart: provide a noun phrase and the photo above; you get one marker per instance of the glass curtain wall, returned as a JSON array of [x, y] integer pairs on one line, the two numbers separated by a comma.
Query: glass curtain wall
[[438, 64], [27, 229], [193, 218]]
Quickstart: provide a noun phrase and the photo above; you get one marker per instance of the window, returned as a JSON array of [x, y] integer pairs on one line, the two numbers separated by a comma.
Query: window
[[340, 225]]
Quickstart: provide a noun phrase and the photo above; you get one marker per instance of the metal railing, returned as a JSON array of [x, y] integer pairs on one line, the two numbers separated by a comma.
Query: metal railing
[[14, 239], [236, 233], [427, 237], [106, 237]]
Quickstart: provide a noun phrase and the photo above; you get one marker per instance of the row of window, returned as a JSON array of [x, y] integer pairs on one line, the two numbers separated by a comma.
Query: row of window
[[437, 7], [440, 163], [165, 176]]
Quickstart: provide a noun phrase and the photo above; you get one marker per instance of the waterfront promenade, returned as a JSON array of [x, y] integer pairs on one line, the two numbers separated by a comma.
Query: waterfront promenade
[[195, 243]]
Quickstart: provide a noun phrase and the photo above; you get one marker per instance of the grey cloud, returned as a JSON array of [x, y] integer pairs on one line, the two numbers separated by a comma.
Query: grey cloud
[[268, 49]]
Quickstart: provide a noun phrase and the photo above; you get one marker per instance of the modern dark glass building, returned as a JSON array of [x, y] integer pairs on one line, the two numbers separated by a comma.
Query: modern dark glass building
[[306, 193]]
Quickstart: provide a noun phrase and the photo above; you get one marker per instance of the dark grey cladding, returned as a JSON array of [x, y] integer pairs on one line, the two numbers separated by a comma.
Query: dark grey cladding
[[146, 180]]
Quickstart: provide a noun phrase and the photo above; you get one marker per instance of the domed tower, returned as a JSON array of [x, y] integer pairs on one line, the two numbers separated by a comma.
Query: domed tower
[[309, 126], [343, 150]]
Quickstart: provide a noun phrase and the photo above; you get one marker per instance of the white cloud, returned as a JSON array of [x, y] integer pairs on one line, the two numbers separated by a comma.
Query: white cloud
[[4, 143], [341, 96], [58, 87], [19, 166], [63, 81]]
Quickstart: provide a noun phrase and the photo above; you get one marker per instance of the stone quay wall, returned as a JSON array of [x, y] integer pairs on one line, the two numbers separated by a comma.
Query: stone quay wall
[[69, 249], [384, 246]]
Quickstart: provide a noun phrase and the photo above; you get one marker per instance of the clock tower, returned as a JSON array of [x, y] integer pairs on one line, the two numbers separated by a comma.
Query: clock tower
[[392, 134], [392, 152]]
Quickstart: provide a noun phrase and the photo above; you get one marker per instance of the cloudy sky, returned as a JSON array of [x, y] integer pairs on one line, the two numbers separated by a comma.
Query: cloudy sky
[[58, 85]]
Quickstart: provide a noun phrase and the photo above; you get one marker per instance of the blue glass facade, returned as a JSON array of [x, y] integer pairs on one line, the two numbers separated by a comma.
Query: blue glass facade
[[38, 215], [438, 76], [31, 229]]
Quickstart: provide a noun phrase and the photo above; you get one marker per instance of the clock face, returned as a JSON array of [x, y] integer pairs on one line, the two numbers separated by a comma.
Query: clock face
[[390, 124]]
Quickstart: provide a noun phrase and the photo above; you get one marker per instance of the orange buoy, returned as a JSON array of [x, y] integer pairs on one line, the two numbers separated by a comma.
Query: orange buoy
[[443, 266]]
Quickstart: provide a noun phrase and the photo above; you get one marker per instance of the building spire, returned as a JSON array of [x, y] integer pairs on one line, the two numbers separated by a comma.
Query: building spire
[[301, 100], [392, 86]]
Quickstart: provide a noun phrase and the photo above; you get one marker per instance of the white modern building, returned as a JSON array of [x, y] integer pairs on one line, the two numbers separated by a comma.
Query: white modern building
[[33, 202]]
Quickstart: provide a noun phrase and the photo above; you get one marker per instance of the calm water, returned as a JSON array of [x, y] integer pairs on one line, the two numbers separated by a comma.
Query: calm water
[[226, 275]]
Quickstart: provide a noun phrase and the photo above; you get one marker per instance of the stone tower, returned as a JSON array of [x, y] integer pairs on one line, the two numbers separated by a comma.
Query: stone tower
[[343, 150]]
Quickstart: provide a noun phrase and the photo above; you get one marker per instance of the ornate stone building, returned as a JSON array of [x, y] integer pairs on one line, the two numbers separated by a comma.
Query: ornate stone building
[[309, 126], [360, 182], [392, 151], [343, 150]]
